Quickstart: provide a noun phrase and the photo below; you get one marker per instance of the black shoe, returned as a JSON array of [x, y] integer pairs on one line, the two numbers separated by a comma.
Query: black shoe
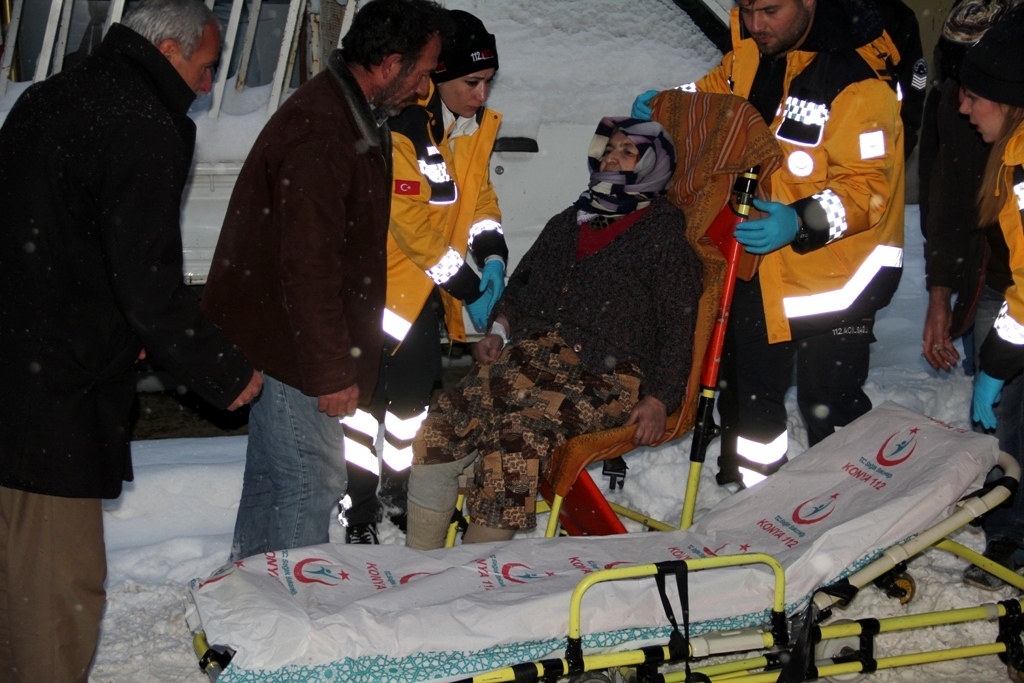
[[999, 550], [361, 534]]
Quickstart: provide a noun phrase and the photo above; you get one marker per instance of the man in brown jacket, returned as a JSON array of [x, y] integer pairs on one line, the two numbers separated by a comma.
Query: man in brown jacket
[[299, 273]]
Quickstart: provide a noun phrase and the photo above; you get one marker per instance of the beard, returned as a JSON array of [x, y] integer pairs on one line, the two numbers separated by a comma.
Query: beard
[[784, 42], [390, 100]]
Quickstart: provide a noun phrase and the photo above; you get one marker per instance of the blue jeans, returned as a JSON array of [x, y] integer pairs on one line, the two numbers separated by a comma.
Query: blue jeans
[[1006, 521], [294, 473]]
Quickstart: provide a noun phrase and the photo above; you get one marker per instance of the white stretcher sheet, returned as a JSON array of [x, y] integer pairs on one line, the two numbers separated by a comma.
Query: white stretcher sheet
[[389, 614]]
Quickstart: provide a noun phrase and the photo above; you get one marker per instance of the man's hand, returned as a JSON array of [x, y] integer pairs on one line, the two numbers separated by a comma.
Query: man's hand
[[649, 417], [487, 350], [251, 391], [937, 345], [772, 232], [480, 309], [493, 277], [340, 403]]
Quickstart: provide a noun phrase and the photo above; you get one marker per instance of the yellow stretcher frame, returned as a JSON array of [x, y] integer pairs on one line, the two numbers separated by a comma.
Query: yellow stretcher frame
[[759, 668]]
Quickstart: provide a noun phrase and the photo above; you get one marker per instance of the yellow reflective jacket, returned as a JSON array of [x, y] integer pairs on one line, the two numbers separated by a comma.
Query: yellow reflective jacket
[[1002, 354], [442, 192], [846, 156]]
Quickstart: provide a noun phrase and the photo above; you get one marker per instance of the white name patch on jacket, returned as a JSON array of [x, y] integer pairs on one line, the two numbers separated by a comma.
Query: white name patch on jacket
[[872, 145]]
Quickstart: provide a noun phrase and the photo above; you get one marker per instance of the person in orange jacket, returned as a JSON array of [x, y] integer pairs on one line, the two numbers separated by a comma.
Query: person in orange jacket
[[820, 73], [443, 210], [992, 80]]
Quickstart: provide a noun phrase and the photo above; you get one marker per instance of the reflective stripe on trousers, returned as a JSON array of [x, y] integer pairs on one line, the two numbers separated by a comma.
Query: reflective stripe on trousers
[[759, 460], [361, 439]]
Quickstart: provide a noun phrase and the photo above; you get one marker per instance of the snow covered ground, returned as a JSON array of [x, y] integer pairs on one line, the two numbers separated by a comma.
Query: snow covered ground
[[570, 61], [174, 522]]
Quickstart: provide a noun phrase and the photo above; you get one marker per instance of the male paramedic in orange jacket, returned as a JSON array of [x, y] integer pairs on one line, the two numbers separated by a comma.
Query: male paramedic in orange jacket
[[832, 238]]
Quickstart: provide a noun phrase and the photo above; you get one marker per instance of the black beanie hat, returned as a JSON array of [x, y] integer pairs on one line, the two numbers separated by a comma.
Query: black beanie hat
[[470, 49], [994, 67]]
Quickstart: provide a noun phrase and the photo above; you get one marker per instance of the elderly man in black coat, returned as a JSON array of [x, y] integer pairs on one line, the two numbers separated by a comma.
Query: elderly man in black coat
[[93, 162]]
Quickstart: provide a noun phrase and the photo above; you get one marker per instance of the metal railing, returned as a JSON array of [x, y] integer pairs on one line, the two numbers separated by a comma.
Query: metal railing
[[55, 37]]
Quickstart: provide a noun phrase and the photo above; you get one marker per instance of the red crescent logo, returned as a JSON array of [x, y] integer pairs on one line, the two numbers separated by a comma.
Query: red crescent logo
[[405, 579], [217, 578], [613, 564], [299, 566], [807, 520], [891, 462], [506, 572]]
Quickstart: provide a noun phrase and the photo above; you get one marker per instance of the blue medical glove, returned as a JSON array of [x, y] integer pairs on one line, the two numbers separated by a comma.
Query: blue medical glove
[[986, 394], [642, 105], [480, 310], [493, 278], [767, 234]]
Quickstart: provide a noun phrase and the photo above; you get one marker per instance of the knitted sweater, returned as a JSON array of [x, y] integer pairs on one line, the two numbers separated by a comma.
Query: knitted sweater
[[633, 301]]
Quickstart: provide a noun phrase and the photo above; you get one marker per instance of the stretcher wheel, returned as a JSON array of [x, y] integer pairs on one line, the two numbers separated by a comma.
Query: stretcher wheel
[[838, 647], [898, 584], [906, 582]]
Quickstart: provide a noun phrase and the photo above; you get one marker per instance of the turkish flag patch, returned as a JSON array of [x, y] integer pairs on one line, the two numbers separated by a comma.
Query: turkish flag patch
[[407, 187]]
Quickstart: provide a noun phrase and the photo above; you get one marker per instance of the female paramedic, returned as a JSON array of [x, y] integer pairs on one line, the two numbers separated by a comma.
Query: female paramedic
[[992, 79], [443, 207]]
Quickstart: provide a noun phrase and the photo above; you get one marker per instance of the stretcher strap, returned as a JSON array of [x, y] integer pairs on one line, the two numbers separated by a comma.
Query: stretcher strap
[[678, 643], [842, 589], [800, 665]]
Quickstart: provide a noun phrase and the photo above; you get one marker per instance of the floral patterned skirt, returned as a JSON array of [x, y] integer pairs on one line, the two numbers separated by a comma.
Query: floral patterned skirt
[[514, 413]]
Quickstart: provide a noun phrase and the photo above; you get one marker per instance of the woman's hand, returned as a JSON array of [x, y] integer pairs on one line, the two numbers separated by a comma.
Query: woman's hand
[[487, 350], [937, 347], [649, 417]]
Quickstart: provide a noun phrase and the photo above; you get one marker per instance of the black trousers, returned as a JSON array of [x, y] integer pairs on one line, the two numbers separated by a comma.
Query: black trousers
[[831, 368], [405, 383]]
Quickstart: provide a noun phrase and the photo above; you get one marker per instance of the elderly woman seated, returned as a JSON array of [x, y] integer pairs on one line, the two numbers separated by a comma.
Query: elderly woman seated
[[594, 330]]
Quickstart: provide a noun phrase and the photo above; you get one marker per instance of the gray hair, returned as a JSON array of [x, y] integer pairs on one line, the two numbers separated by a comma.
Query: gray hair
[[183, 21]]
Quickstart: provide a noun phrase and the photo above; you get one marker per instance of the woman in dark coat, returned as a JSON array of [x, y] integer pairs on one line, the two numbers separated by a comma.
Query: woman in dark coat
[[602, 312]]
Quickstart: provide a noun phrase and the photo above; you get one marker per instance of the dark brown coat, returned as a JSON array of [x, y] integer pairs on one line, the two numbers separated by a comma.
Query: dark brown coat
[[633, 301], [299, 274]]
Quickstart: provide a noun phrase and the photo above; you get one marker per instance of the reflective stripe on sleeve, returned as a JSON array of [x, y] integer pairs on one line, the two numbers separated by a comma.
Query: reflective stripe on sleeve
[[835, 213], [395, 325], [482, 226], [436, 173], [446, 268], [840, 299], [1018, 190], [1007, 328]]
